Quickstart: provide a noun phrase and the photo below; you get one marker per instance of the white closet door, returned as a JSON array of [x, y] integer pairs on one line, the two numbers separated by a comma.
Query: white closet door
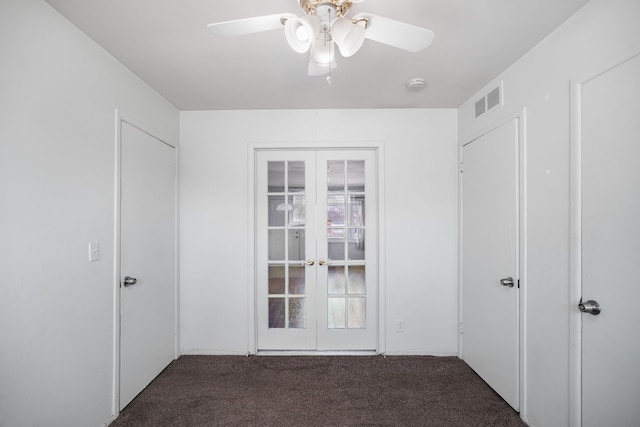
[[148, 230], [611, 246], [490, 256]]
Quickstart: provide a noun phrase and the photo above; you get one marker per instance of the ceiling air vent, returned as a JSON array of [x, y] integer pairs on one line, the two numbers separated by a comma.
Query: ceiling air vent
[[488, 102]]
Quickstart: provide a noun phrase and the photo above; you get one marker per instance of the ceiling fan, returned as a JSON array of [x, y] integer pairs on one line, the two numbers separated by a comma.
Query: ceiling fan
[[324, 26]]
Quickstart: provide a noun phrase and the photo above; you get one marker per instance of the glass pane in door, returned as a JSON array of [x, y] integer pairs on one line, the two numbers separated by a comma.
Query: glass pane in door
[[275, 177], [295, 176], [297, 283], [276, 312], [296, 245], [286, 200], [276, 245], [335, 175], [276, 279], [297, 313], [355, 175], [357, 285], [336, 226], [356, 314], [336, 318], [297, 213], [337, 281], [346, 284], [276, 211]]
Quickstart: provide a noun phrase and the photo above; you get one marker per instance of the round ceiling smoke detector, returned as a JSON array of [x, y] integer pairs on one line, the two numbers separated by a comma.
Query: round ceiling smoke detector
[[416, 84]]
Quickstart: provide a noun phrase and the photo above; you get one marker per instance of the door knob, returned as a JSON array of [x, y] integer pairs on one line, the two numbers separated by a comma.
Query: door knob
[[507, 281], [310, 261], [590, 307], [128, 281], [322, 261]]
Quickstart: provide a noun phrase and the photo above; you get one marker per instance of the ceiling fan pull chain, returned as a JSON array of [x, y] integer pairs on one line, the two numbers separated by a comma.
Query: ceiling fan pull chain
[[327, 39]]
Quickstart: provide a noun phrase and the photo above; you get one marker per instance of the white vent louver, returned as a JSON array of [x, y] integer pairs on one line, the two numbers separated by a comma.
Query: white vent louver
[[488, 102]]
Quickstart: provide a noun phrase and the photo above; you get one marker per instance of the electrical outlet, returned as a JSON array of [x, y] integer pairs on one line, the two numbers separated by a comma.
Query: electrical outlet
[[400, 325]]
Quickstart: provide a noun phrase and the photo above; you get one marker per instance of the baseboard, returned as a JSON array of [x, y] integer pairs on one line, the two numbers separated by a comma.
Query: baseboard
[[431, 353], [212, 353], [111, 419], [315, 353]]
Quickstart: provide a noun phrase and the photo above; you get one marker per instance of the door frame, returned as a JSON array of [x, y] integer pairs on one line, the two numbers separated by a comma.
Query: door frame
[[252, 151], [121, 118], [521, 116], [575, 226]]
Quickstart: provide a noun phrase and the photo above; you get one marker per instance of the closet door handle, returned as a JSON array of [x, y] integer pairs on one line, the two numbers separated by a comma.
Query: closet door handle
[[129, 281], [590, 307], [507, 281]]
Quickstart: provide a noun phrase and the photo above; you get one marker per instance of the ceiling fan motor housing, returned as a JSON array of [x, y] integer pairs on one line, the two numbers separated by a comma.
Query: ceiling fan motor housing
[[310, 7]]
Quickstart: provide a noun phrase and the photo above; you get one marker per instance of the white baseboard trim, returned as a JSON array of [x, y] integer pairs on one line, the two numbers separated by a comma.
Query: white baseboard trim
[[410, 353]]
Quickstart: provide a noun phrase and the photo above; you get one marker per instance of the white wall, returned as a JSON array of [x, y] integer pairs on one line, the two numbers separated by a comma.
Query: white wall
[[539, 82], [58, 93], [421, 219]]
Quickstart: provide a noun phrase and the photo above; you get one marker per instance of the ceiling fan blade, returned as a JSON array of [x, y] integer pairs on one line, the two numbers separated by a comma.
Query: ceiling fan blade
[[246, 26], [395, 33]]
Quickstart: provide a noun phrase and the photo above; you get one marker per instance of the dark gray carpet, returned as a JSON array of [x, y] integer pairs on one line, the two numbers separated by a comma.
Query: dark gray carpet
[[317, 391]]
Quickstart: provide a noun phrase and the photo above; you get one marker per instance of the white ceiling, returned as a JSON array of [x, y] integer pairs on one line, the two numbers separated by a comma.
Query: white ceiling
[[167, 44]]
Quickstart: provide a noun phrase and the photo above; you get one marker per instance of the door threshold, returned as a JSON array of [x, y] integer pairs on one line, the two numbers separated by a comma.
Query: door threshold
[[317, 353]]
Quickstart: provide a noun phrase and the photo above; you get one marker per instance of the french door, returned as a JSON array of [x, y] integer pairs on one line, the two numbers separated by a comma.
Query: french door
[[316, 249]]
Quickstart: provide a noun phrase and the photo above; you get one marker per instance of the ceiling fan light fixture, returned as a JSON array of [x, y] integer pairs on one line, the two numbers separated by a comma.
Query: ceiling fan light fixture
[[324, 26], [327, 13], [349, 36], [300, 32], [322, 59]]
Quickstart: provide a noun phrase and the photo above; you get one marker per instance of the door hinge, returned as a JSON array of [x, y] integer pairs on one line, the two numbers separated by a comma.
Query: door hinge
[[518, 283], [461, 328]]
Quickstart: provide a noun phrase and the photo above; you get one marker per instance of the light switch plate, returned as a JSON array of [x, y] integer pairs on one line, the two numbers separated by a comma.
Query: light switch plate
[[94, 251]]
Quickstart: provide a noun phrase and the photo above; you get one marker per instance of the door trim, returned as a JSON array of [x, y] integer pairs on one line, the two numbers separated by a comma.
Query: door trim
[[521, 116], [575, 227], [252, 151], [121, 118]]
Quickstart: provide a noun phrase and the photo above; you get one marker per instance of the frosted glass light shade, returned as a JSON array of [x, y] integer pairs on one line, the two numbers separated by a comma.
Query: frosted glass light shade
[[322, 58], [348, 36], [301, 32]]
